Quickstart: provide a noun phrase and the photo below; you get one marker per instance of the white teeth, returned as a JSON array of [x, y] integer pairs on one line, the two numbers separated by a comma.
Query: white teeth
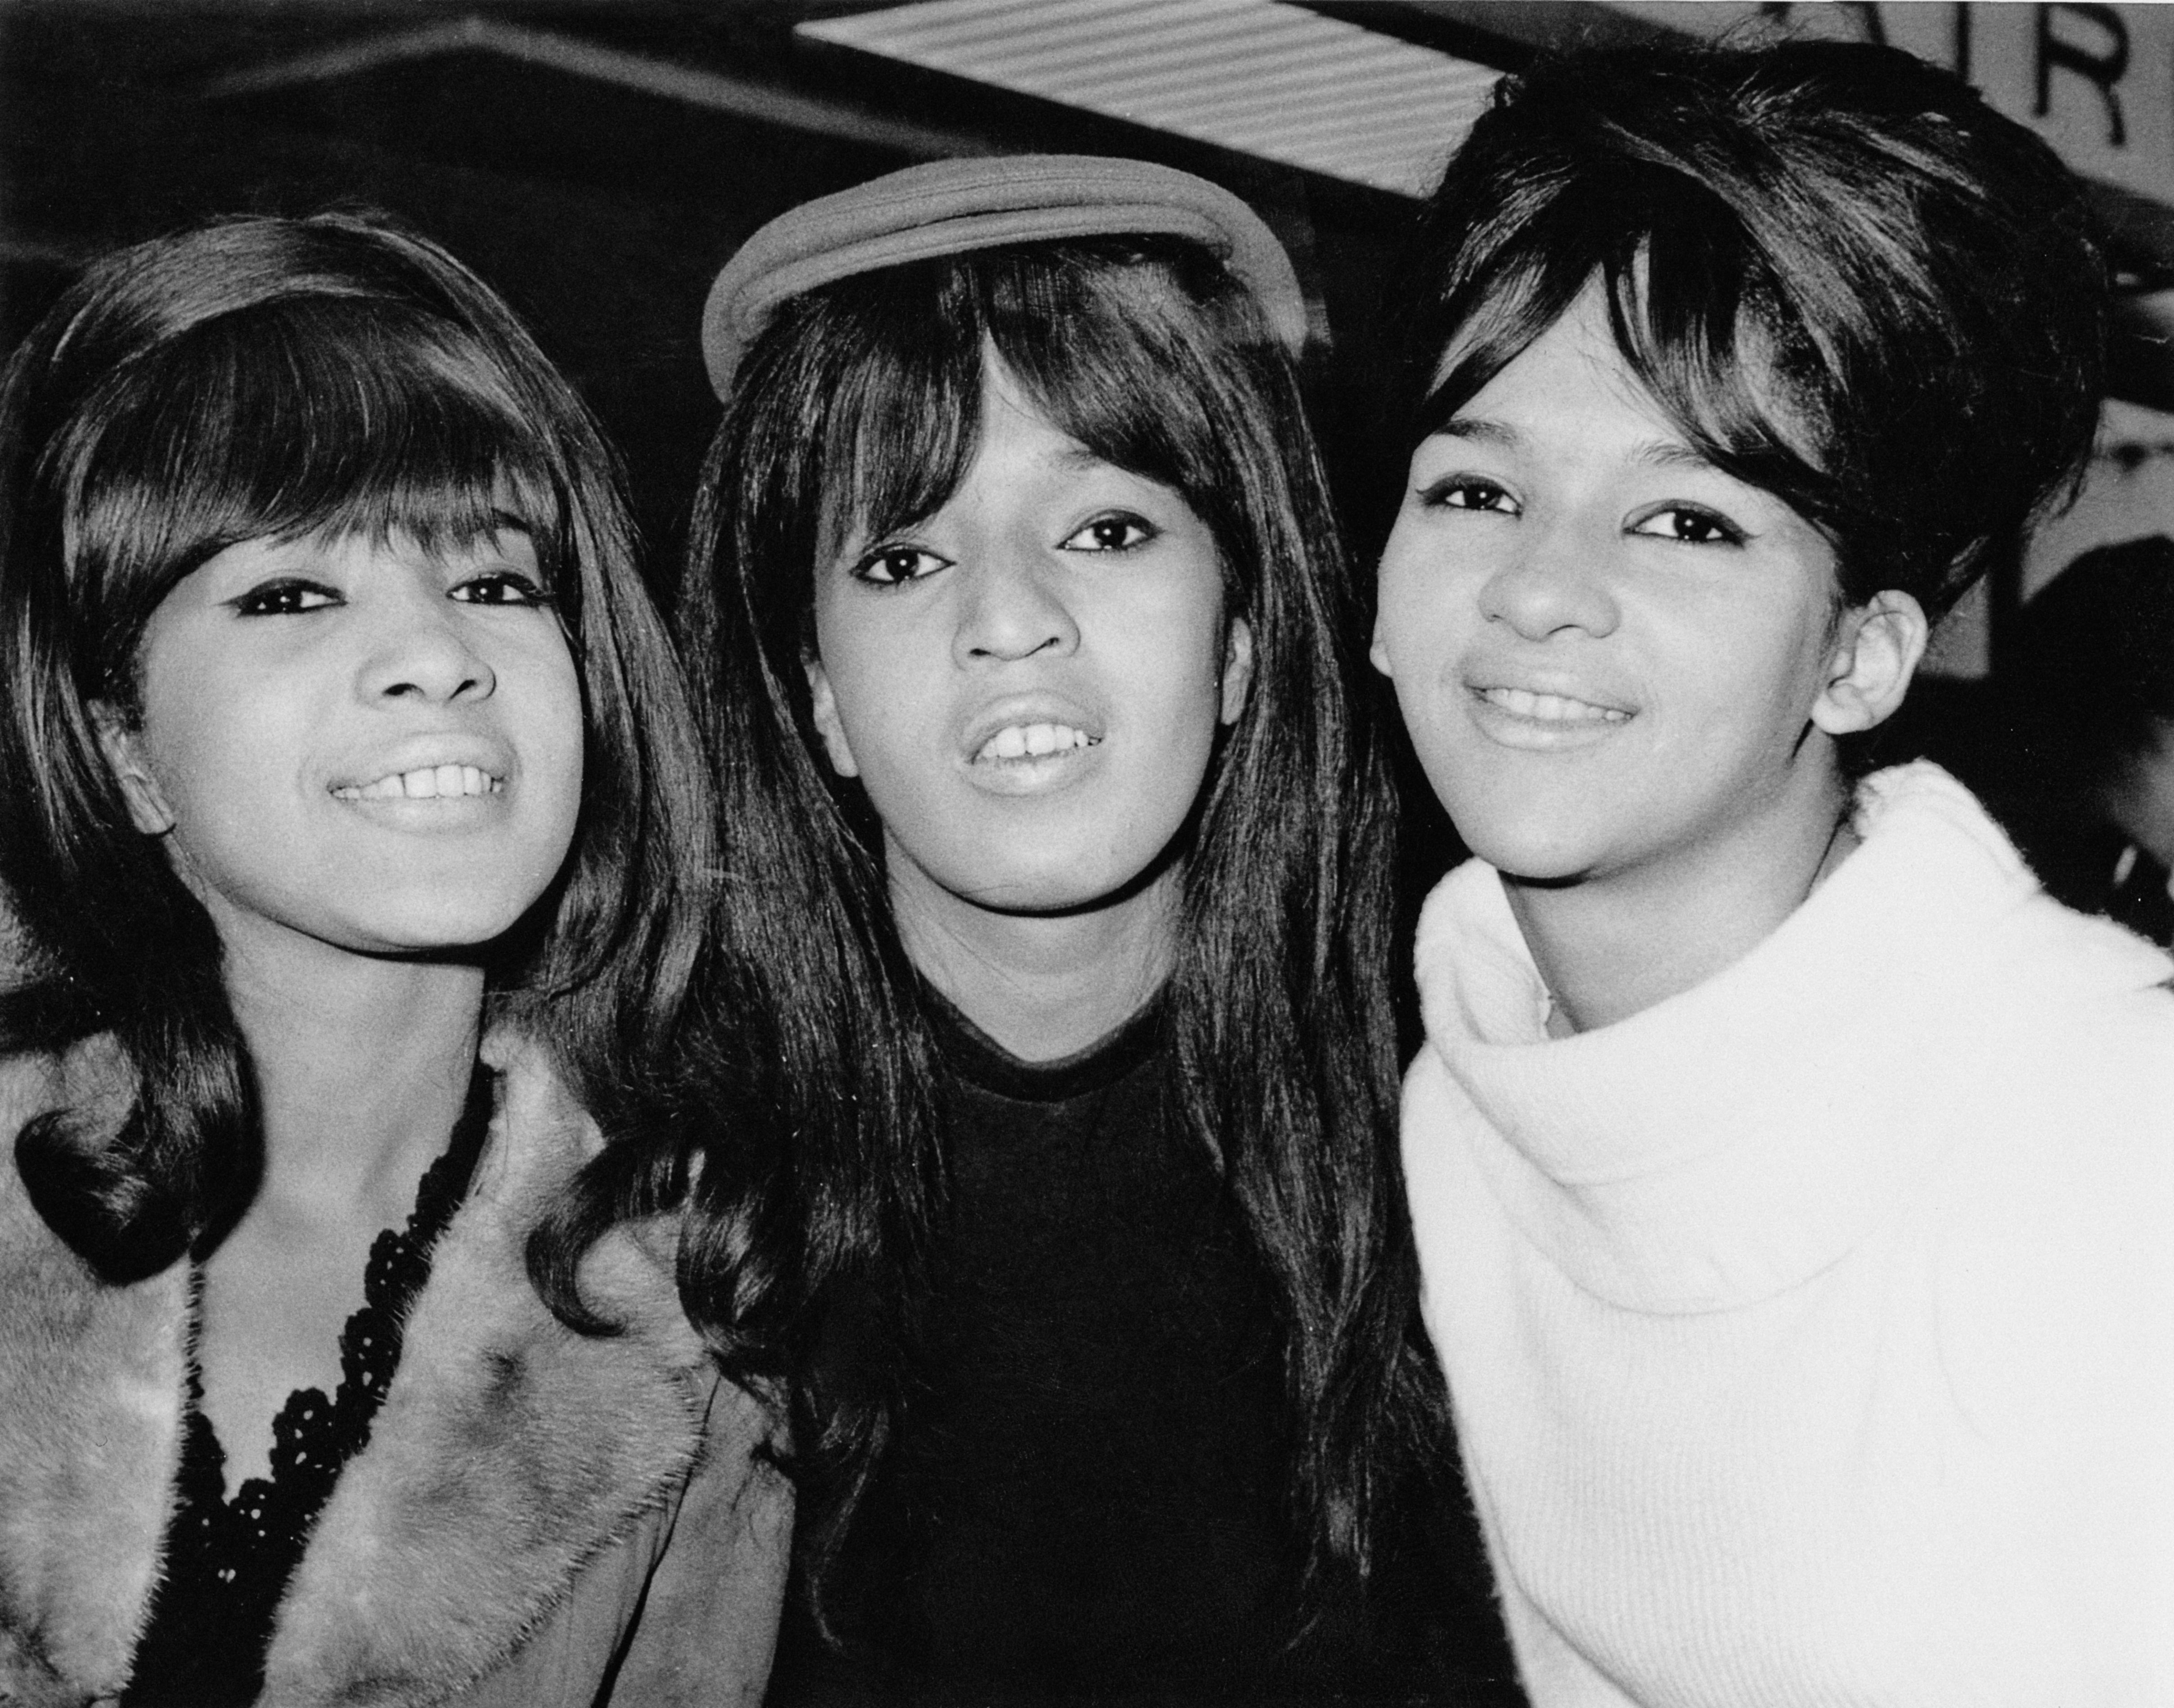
[[1551, 708], [430, 782], [1016, 741]]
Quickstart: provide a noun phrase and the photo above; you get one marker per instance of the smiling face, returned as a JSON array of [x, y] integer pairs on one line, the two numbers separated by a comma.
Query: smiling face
[[1612, 657], [1028, 682], [365, 746]]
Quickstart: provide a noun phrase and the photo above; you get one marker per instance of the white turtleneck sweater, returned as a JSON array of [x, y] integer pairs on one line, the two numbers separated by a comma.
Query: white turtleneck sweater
[[1811, 1333]]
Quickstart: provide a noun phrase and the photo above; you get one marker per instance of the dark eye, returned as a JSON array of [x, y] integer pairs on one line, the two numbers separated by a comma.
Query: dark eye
[[1465, 492], [889, 566], [499, 587], [287, 596], [1689, 525], [1118, 532]]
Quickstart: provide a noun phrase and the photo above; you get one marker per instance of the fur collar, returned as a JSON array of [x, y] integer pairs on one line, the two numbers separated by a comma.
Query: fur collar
[[508, 1452]]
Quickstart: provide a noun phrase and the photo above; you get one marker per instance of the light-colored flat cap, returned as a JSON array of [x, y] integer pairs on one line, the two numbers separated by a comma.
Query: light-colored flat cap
[[950, 207]]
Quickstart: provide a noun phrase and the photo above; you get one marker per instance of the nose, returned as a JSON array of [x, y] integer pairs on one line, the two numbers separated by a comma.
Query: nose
[[422, 652], [1556, 579], [1014, 608]]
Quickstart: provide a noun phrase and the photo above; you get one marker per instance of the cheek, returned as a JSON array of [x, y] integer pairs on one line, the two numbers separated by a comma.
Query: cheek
[[1174, 650], [887, 692], [1423, 599], [212, 747], [875, 662], [555, 736], [1745, 680], [1176, 661]]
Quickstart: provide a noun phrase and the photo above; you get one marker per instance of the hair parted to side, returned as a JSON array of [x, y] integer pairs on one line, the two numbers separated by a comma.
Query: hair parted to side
[[286, 378], [857, 412], [1848, 281]]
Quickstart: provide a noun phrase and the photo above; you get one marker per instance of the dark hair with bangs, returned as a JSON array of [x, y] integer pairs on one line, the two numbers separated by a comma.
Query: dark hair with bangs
[[1849, 282], [272, 378], [858, 411]]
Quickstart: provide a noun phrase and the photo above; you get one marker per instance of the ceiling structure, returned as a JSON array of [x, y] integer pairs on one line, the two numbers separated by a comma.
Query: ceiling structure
[[1276, 81], [597, 160]]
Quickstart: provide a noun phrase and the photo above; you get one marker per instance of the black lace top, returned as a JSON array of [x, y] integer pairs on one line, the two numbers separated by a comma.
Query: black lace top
[[228, 1560]]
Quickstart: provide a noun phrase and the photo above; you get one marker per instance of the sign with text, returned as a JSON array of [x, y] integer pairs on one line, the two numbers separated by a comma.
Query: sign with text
[[2095, 81]]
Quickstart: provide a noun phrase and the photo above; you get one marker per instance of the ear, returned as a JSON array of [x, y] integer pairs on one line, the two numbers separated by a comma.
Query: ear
[[827, 724], [1377, 654], [123, 749], [1237, 669], [1874, 657]]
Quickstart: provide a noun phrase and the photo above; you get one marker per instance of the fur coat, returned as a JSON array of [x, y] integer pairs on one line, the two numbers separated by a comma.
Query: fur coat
[[525, 1493]]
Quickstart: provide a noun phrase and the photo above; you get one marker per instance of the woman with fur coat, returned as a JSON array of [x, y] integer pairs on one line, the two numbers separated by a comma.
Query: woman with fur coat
[[350, 812]]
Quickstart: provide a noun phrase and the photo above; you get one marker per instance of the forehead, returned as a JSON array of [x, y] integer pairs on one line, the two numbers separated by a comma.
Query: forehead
[[1015, 425], [1572, 391]]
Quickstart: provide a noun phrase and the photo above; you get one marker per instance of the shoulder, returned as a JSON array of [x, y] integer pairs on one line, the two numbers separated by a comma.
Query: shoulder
[[1936, 858], [541, 1136], [531, 1475], [539, 1118]]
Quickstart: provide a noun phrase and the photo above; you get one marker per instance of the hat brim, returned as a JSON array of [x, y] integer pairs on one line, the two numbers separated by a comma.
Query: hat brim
[[953, 207]]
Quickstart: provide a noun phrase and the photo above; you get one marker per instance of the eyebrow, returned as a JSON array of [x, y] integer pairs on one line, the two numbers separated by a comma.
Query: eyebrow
[[1657, 453], [1666, 453], [1480, 429], [1078, 455]]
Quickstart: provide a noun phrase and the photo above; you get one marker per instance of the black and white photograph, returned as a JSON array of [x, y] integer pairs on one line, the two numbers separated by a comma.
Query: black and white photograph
[[1086, 854]]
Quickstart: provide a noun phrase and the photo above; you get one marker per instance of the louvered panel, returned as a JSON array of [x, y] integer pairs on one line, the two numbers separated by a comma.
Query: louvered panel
[[1252, 75]]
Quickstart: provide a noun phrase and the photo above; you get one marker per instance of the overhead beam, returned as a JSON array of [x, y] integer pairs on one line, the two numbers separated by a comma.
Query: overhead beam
[[714, 91]]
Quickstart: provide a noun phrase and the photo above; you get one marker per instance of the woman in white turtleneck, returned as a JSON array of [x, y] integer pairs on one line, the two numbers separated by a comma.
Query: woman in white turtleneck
[[1794, 1181]]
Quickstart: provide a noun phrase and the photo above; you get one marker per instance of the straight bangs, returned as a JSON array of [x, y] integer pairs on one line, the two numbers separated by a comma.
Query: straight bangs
[[885, 376], [297, 418], [1150, 355], [1096, 331]]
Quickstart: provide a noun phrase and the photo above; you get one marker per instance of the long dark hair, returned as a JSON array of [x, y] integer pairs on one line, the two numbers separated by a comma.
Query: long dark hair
[[276, 378], [1849, 281], [859, 408]]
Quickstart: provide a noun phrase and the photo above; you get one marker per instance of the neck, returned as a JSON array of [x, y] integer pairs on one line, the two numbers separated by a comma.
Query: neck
[[362, 1067], [1043, 985], [1609, 946]]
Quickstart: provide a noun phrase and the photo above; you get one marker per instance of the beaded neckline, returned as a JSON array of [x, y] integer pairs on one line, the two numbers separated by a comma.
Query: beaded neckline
[[229, 1557]]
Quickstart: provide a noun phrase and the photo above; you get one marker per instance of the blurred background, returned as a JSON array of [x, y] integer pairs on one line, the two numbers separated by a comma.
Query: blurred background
[[599, 159]]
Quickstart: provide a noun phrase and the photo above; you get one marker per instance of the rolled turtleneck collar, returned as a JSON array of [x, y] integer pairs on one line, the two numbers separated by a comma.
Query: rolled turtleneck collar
[[1737, 1138]]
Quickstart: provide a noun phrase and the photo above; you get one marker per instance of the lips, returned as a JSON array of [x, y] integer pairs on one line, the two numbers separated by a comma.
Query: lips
[[425, 782], [1551, 708], [1027, 729], [1542, 708], [1038, 740], [444, 766]]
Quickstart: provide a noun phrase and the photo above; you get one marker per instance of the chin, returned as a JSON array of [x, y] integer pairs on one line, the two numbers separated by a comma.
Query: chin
[[1058, 886], [1535, 852], [1536, 824], [433, 932]]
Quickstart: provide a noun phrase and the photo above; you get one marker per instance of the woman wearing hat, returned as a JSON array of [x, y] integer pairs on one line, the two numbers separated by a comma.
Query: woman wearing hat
[[1064, 1220]]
